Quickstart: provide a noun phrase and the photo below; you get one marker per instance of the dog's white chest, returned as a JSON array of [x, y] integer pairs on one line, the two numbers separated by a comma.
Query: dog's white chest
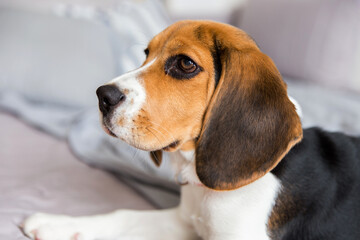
[[237, 214]]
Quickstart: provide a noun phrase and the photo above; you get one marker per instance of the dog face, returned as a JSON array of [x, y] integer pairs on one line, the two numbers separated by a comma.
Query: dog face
[[205, 86], [165, 99]]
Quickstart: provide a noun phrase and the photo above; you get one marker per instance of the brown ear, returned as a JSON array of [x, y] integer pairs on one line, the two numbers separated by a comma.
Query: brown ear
[[250, 124], [156, 157]]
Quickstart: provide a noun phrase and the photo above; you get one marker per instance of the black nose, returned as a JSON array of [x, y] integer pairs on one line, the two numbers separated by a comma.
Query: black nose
[[109, 96]]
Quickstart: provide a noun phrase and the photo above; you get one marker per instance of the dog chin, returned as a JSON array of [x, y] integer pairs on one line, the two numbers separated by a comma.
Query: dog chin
[[168, 148], [172, 147]]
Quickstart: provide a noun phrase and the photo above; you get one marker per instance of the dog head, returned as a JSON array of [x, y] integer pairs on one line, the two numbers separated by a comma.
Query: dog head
[[205, 86]]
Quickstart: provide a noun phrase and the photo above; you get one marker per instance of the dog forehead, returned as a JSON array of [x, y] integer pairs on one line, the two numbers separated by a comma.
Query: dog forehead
[[184, 34], [181, 29], [201, 33]]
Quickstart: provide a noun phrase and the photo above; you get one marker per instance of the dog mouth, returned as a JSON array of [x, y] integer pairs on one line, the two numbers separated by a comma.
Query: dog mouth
[[169, 148], [111, 133], [108, 131], [172, 146]]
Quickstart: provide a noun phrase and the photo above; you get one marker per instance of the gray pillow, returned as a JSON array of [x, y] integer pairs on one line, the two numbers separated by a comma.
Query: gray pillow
[[62, 56], [53, 59], [312, 40]]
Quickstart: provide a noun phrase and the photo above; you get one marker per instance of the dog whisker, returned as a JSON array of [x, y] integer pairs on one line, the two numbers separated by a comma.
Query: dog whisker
[[173, 139], [158, 131], [153, 134]]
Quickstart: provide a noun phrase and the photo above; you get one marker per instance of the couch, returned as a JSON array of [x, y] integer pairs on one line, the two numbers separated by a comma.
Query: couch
[[55, 158]]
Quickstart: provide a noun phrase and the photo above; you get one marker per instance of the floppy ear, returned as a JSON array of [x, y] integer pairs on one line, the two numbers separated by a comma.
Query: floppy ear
[[250, 123], [156, 157]]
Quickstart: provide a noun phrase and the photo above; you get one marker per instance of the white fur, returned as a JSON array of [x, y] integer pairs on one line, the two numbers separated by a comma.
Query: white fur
[[131, 84], [121, 224], [212, 215], [297, 106], [239, 214]]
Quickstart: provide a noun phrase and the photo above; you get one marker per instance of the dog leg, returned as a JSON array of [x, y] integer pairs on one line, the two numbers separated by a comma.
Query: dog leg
[[121, 224]]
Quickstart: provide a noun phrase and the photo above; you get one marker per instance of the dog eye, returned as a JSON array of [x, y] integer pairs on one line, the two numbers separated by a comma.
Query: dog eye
[[181, 67], [187, 65]]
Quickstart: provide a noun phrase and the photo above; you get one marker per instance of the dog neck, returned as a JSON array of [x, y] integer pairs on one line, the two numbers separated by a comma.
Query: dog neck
[[252, 203]]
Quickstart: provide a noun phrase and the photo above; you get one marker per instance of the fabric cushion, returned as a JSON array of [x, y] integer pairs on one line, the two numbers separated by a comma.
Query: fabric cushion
[[38, 173], [62, 56], [313, 40], [54, 59]]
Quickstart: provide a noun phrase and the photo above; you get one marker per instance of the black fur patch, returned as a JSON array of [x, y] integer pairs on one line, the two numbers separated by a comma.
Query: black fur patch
[[320, 196]]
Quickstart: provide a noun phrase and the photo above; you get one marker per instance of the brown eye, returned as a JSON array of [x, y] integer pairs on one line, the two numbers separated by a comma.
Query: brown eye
[[187, 65], [181, 67]]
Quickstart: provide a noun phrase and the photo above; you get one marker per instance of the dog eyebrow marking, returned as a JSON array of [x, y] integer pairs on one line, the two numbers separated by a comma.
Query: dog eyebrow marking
[[216, 55], [199, 33]]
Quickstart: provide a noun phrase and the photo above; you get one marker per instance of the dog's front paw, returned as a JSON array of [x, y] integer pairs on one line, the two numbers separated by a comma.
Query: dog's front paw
[[43, 226]]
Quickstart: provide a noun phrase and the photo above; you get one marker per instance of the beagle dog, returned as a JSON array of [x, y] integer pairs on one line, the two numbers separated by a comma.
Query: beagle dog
[[207, 94]]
